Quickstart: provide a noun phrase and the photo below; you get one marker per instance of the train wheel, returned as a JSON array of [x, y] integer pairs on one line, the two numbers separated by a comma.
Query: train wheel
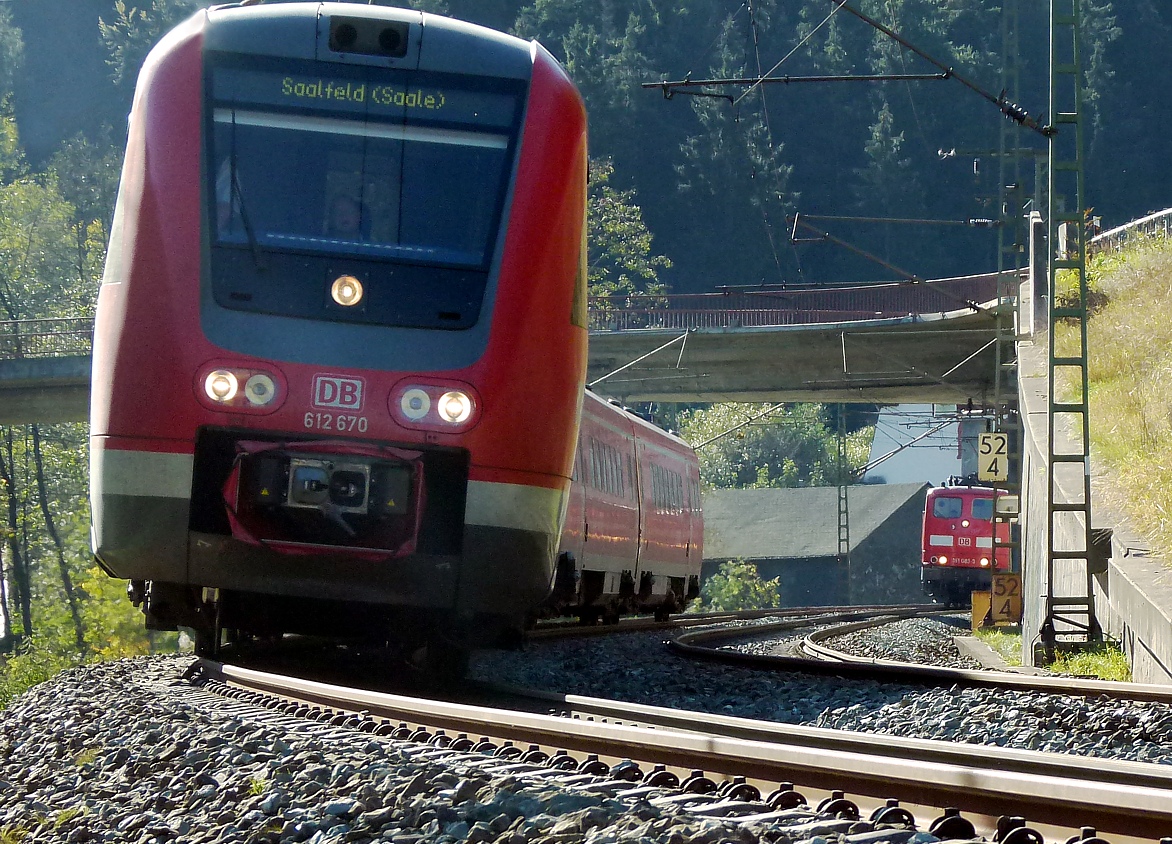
[[207, 642]]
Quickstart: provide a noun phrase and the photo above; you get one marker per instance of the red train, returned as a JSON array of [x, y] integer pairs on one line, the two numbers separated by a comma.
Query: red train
[[341, 340], [958, 548], [634, 534]]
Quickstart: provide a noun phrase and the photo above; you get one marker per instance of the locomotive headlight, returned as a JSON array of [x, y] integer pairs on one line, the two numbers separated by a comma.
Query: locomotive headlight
[[964, 523], [415, 403], [221, 385], [260, 389], [455, 407], [346, 291], [943, 560], [984, 561]]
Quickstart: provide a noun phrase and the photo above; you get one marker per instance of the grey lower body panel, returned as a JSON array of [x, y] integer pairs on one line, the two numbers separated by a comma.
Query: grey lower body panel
[[502, 571]]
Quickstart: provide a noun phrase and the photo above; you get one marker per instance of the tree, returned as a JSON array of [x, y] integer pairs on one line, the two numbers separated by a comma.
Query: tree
[[790, 447], [133, 31], [619, 244], [737, 585]]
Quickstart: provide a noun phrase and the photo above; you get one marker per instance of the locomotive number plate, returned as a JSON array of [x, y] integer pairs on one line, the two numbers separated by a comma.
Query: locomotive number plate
[[341, 422]]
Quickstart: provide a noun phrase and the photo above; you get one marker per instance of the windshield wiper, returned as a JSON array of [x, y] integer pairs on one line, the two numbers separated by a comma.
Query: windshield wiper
[[249, 232]]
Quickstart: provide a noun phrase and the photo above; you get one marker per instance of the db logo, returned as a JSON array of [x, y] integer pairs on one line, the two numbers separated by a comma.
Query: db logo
[[335, 391]]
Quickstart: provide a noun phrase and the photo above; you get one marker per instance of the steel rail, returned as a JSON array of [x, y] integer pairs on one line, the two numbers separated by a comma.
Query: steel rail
[[835, 663], [1132, 798], [811, 615]]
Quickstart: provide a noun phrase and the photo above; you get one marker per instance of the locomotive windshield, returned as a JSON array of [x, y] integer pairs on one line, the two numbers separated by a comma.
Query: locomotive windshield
[[363, 163], [947, 507], [983, 509]]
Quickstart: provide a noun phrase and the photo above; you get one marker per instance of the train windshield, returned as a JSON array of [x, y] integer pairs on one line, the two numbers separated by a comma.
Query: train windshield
[[362, 162], [947, 507], [983, 509]]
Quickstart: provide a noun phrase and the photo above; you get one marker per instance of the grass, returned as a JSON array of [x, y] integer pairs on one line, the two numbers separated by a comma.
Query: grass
[[1105, 662], [1129, 342], [26, 669], [1008, 645]]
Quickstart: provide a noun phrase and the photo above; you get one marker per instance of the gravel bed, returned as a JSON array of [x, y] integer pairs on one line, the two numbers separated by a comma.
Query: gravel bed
[[638, 668], [130, 752], [927, 641]]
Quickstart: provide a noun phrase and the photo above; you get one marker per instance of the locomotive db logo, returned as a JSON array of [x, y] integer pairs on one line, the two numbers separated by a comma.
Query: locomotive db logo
[[335, 391]]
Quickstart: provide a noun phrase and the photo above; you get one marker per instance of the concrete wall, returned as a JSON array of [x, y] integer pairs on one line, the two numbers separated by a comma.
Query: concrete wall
[[885, 566], [1133, 597]]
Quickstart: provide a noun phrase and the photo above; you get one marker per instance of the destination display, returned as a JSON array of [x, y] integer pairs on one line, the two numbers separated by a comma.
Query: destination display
[[375, 93]]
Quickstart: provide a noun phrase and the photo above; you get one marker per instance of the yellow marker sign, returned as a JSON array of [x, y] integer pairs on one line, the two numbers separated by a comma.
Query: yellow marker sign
[[1006, 595], [993, 457]]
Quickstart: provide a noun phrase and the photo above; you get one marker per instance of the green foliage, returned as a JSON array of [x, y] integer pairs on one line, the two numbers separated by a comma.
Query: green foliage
[[791, 447], [619, 245], [13, 833], [1129, 385], [133, 30], [257, 786], [737, 585], [1104, 662], [1007, 645], [33, 664], [11, 51]]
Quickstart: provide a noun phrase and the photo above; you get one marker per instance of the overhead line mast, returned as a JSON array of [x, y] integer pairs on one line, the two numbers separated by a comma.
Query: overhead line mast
[[1068, 590]]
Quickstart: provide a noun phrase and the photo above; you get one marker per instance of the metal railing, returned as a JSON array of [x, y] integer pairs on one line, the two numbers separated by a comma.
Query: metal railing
[[791, 306], [41, 338], [46, 338], [1158, 224]]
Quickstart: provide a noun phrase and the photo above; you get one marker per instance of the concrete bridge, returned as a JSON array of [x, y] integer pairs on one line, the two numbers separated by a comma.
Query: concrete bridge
[[45, 370], [923, 341]]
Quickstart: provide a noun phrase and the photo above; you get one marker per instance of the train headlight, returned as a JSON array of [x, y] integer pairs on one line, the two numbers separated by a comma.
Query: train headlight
[[228, 387], [346, 291], [221, 385], [260, 389], [964, 523], [450, 407], [943, 560], [984, 561], [415, 404], [455, 407]]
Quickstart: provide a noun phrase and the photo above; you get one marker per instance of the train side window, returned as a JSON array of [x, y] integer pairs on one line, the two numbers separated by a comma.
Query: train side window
[[983, 509], [594, 473], [947, 507]]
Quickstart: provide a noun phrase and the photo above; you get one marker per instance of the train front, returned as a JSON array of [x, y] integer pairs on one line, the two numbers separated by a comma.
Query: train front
[[341, 338]]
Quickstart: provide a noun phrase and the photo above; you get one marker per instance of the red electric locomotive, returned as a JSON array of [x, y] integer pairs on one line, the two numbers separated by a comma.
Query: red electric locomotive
[[634, 535], [958, 547], [341, 341]]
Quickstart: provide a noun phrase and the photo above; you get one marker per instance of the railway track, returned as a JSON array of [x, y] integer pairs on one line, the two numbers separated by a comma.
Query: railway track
[[819, 658], [766, 766]]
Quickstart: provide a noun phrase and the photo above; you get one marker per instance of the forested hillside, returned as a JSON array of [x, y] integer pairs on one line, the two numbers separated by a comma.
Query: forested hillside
[[716, 179]]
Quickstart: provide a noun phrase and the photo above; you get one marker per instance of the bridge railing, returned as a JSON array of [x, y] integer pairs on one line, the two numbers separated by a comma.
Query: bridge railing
[[44, 338], [1158, 224], [791, 306]]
